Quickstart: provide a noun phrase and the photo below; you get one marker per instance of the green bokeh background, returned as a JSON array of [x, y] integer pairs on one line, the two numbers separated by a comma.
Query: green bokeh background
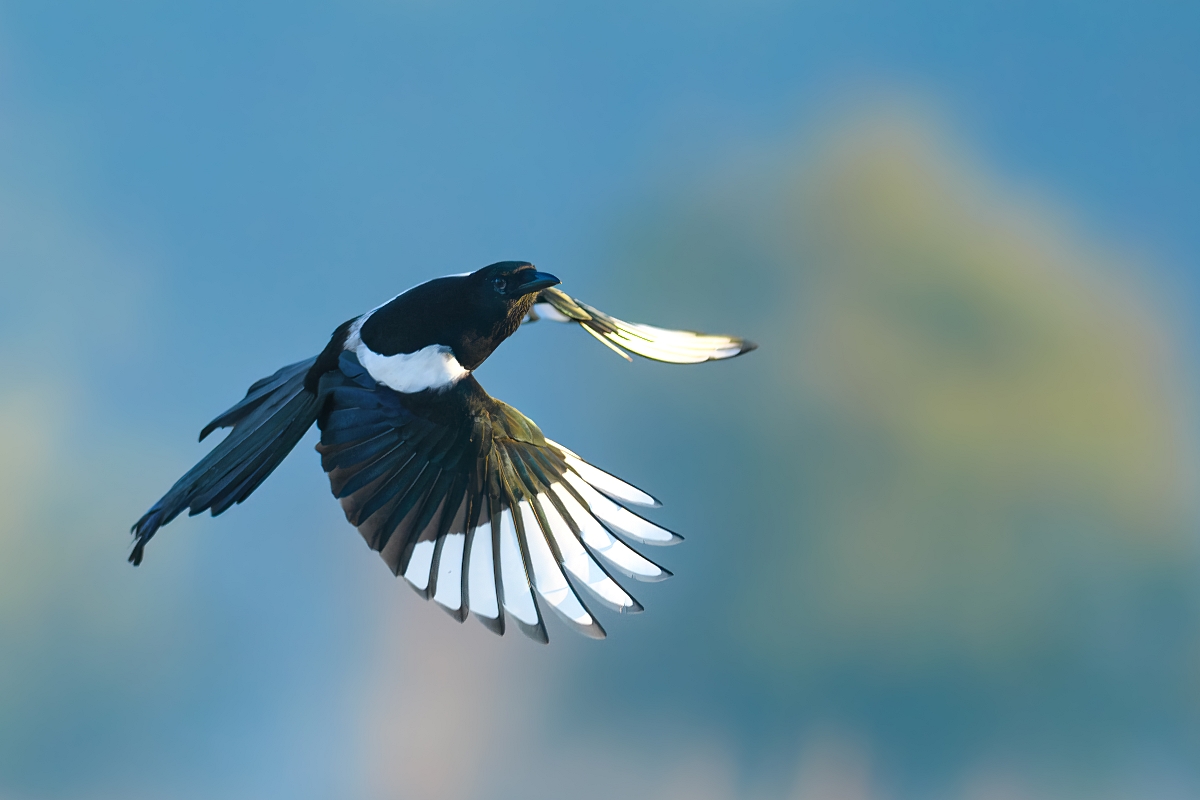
[[941, 526]]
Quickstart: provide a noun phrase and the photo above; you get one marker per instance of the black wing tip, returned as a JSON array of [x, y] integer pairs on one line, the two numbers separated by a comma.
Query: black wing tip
[[674, 540], [459, 614], [536, 632], [424, 594], [625, 502], [662, 575], [493, 624], [654, 501], [594, 631]]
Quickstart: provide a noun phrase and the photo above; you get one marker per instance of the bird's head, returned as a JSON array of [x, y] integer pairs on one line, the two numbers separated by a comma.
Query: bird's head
[[506, 290], [472, 314]]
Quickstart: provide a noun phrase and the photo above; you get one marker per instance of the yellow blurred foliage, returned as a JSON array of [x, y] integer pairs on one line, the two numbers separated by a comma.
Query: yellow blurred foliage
[[1026, 423]]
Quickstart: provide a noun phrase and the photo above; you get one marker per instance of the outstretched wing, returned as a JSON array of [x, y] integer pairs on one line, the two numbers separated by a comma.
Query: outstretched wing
[[465, 498], [659, 344]]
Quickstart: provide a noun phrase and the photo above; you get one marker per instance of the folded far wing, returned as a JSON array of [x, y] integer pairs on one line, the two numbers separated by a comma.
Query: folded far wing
[[659, 344]]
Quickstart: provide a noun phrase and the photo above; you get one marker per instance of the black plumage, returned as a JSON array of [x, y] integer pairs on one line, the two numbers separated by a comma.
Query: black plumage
[[459, 493]]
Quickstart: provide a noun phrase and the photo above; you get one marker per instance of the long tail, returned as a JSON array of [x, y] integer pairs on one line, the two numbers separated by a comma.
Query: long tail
[[267, 424]]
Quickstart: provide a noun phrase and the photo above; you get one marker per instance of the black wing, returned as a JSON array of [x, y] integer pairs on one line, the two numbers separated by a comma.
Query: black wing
[[465, 498], [659, 344]]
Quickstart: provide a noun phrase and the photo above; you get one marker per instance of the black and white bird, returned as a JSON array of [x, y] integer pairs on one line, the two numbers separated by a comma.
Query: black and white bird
[[459, 493]]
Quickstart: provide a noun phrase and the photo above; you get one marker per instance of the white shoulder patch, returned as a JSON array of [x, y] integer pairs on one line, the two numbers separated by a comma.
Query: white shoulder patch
[[354, 335], [432, 367]]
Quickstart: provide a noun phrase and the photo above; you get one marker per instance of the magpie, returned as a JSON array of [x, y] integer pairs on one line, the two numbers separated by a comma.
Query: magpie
[[461, 494]]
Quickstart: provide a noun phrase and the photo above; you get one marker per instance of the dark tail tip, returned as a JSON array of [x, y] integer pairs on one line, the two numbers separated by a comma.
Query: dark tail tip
[[144, 529]]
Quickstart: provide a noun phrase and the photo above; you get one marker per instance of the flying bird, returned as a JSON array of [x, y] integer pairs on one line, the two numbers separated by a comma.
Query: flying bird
[[460, 493]]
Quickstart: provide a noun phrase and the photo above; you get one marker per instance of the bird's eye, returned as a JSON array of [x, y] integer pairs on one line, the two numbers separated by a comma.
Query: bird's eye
[[500, 284]]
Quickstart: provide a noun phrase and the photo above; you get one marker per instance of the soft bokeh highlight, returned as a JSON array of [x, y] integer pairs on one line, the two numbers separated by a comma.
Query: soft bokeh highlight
[[940, 527]]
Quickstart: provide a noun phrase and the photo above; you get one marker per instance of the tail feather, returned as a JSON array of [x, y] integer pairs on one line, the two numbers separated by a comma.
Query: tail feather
[[268, 422], [263, 431], [261, 390], [257, 470]]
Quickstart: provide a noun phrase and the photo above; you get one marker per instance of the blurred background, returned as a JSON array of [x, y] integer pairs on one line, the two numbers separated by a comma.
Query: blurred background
[[941, 527]]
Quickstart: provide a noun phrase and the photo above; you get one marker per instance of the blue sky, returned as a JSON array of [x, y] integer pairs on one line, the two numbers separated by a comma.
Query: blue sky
[[192, 194]]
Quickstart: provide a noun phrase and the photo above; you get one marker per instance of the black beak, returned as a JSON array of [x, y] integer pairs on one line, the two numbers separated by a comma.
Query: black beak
[[535, 282]]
